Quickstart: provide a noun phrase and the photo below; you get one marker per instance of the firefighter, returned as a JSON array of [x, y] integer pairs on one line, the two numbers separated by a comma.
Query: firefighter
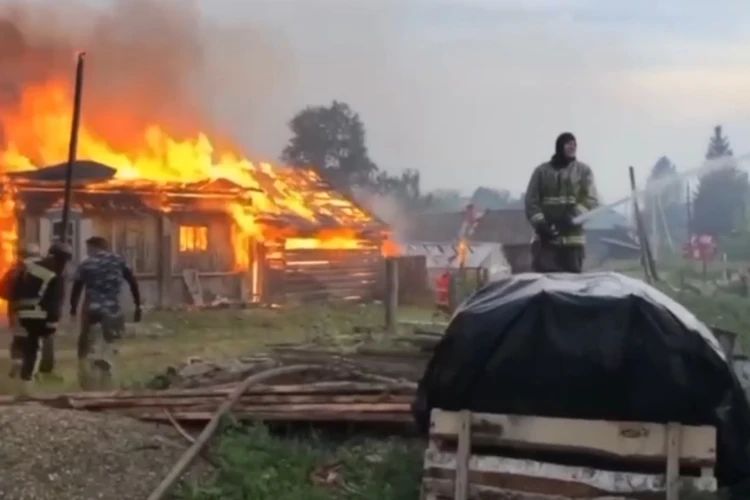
[[37, 293], [30, 251], [559, 191], [102, 322], [443, 291]]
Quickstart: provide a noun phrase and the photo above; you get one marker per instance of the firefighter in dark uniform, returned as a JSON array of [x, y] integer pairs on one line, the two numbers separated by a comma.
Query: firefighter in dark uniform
[[37, 296], [102, 322], [559, 191]]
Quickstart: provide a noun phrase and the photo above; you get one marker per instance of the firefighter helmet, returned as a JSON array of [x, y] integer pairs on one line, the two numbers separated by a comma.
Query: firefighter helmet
[[30, 250]]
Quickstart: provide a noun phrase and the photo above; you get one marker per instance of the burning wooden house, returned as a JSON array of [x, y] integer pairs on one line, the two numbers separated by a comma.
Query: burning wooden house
[[261, 234]]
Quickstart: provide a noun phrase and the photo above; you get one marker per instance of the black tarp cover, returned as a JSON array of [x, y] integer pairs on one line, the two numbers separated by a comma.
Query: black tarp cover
[[593, 346]]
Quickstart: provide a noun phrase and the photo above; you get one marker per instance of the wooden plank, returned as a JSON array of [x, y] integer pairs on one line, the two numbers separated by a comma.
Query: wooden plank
[[461, 491], [310, 293], [674, 431], [329, 271], [294, 279], [193, 283], [625, 440], [542, 477], [403, 419], [440, 489]]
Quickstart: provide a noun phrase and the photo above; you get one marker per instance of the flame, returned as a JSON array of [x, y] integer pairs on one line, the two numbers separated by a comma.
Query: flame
[[390, 248], [36, 134], [8, 237]]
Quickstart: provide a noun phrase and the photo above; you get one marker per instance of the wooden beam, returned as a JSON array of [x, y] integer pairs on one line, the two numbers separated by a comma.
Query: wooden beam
[[544, 478], [164, 258], [391, 298], [623, 440]]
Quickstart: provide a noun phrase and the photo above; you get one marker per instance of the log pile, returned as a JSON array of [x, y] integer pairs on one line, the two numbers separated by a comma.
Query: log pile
[[337, 401]]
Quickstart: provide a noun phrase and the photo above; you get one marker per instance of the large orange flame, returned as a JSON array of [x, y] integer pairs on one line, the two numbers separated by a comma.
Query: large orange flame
[[36, 133]]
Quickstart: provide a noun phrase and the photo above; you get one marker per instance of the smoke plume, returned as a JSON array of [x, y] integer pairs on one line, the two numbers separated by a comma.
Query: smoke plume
[[148, 62]]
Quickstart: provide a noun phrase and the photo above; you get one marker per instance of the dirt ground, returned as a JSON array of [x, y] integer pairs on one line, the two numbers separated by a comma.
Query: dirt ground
[[63, 454], [50, 454]]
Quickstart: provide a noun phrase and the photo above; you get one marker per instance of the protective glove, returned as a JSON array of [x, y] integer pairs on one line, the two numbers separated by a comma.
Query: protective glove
[[137, 315], [546, 231]]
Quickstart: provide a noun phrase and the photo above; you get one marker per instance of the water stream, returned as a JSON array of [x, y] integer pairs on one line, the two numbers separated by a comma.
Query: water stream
[[653, 188]]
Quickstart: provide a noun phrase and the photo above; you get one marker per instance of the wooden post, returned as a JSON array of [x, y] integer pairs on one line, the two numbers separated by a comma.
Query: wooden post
[[261, 287], [649, 267], [674, 435], [463, 456], [391, 290], [164, 259], [454, 292]]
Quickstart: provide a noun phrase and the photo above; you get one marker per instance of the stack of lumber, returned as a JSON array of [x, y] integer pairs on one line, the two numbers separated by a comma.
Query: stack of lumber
[[336, 401], [468, 457]]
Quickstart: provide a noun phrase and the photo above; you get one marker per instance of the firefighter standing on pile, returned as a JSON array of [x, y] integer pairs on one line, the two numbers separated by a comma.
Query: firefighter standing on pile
[[47, 363], [102, 321], [559, 191], [35, 293]]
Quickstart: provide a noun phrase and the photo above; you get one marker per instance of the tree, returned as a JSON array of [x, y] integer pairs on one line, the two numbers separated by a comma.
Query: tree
[[485, 198], [331, 140], [404, 187], [664, 212], [719, 201], [718, 145], [446, 200]]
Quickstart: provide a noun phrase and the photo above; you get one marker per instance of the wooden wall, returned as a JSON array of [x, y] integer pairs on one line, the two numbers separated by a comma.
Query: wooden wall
[[313, 274], [150, 243]]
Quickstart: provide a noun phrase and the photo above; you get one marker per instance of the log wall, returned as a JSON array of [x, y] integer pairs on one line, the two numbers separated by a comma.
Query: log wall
[[150, 243]]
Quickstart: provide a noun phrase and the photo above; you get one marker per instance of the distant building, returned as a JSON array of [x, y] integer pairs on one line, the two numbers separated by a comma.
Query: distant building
[[608, 236], [498, 231]]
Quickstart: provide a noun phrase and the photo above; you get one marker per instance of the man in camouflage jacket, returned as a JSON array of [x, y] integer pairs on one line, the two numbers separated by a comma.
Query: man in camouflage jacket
[[559, 191], [101, 275]]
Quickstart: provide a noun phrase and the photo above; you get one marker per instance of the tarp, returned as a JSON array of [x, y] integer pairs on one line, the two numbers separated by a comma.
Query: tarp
[[592, 346]]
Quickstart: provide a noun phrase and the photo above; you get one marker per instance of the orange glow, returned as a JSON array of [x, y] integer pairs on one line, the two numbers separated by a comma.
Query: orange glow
[[193, 238], [342, 239], [8, 237], [36, 134], [390, 248]]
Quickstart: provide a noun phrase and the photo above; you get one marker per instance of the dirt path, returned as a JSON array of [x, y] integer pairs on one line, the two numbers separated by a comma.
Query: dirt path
[[48, 454]]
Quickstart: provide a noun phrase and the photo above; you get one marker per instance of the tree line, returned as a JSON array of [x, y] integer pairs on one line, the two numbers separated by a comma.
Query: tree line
[[332, 140], [717, 205]]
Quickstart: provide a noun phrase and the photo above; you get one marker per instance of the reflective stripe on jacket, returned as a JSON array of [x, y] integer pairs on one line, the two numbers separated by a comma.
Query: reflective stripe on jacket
[[35, 280], [557, 192]]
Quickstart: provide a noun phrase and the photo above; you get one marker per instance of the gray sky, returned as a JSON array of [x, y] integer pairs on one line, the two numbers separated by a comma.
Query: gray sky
[[474, 92]]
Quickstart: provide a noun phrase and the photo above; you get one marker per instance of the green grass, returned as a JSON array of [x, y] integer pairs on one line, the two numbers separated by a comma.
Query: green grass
[[259, 466], [168, 338]]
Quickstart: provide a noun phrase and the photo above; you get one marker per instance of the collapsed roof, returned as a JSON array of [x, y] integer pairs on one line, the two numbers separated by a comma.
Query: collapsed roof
[[301, 200]]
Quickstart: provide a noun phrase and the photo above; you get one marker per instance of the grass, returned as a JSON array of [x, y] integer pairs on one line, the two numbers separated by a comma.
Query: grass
[[259, 466], [168, 338]]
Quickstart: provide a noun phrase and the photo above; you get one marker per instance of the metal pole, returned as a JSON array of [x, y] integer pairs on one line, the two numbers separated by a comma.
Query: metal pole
[[649, 266], [72, 145]]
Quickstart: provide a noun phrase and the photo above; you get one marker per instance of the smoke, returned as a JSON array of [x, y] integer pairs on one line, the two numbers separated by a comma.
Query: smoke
[[385, 207], [148, 62]]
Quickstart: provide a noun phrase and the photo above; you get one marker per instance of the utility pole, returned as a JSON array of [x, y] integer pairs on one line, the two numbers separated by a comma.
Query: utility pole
[[72, 146]]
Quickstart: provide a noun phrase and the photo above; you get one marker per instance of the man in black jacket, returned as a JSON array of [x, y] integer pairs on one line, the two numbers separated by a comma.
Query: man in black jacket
[[36, 294]]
